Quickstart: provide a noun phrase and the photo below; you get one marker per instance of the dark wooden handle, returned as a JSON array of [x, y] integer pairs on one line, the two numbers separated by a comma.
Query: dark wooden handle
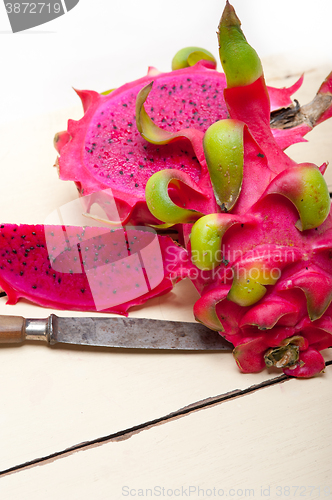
[[12, 329]]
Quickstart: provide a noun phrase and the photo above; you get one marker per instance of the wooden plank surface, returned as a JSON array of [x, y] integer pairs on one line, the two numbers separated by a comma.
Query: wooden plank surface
[[272, 443]]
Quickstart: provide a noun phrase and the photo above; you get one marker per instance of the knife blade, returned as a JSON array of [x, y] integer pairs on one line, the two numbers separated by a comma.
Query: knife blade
[[134, 333]]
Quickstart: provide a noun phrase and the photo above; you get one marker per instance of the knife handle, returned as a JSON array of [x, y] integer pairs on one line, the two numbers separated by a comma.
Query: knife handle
[[12, 329]]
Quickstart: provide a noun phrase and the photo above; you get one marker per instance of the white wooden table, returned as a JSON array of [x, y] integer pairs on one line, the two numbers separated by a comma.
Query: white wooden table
[[82, 423]]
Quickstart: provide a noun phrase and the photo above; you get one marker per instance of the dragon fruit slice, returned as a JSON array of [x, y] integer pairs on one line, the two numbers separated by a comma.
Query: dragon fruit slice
[[263, 265], [89, 269]]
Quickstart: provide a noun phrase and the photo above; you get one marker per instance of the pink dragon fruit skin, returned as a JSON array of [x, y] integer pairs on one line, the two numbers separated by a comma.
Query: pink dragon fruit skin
[[105, 150], [89, 269]]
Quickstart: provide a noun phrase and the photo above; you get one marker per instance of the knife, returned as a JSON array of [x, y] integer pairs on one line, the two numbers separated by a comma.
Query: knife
[[135, 333]]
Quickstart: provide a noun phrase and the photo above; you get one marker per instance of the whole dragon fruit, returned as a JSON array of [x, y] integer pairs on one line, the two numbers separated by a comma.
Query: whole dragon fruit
[[263, 262]]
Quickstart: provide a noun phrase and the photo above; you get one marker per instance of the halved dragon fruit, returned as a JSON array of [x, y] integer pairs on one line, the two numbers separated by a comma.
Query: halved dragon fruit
[[106, 150]]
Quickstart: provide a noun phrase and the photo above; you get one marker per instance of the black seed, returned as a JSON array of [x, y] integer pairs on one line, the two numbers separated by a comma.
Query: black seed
[[14, 251], [82, 289], [23, 236], [99, 125], [260, 155], [121, 172], [24, 263], [136, 185], [110, 141], [21, 273], [115, 127], [125, 105], [59, 280], [141, 166], [130, 124], [2, 226], [9, 261], [34, 286], [33, 232]]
